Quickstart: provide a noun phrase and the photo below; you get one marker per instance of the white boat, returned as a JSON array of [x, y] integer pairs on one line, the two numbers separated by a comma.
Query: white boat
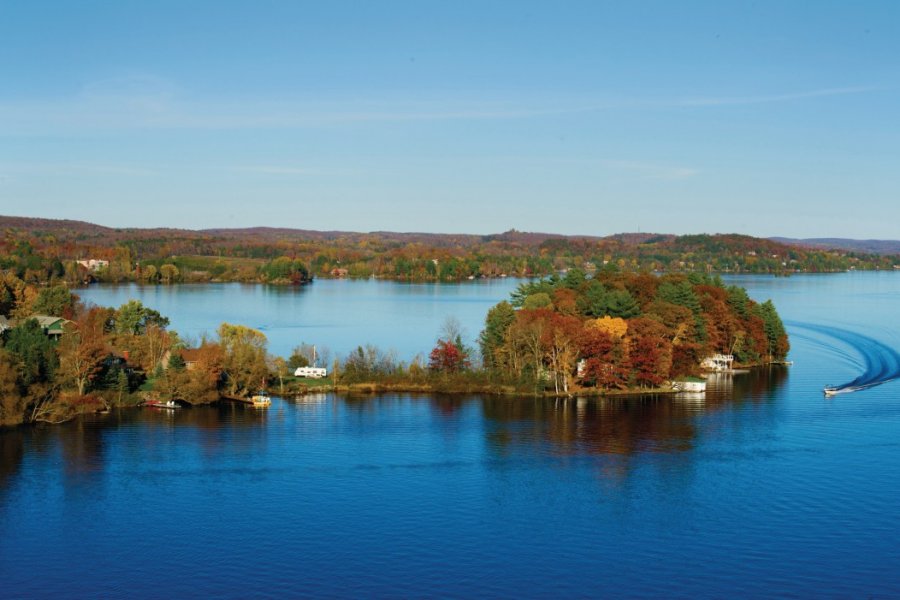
[[831, 390], [690, 385], [170, 404], [261, 398]]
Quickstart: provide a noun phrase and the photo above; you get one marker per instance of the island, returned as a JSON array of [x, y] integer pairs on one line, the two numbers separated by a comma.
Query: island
[[572, 334]]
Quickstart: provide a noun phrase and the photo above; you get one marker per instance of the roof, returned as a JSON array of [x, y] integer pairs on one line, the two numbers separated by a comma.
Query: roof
[[190, 355], [45, 321]]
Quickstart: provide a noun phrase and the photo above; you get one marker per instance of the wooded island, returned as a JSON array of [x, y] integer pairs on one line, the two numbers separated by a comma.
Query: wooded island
[[571, 334]]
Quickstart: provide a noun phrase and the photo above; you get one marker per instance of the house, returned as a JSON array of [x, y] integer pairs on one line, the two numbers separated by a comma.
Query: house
[[190, 356], [93, 264], [52, 326]]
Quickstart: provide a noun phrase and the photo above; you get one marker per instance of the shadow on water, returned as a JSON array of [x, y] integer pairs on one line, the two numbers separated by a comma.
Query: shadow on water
[[621, 426], [12, 451], [880, 362], [626, 425]]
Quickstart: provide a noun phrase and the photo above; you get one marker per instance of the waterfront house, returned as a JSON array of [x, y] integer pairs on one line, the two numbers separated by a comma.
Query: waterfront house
[[93, 264]]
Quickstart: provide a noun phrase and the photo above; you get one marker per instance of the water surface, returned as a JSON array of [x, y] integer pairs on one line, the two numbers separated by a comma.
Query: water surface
[[761, 488]]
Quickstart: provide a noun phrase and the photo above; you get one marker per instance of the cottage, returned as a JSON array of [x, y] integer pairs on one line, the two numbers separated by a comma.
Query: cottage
[[93, 264], [190, 356]]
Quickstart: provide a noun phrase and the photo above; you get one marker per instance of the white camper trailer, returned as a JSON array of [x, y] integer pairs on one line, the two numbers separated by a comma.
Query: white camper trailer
[[311, 372]]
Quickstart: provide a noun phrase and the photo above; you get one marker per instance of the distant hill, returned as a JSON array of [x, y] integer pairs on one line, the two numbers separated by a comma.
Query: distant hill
[[41, 249], [866, 246]]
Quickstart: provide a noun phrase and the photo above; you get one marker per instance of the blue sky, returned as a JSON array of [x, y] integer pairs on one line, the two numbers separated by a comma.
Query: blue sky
[[765, 118]]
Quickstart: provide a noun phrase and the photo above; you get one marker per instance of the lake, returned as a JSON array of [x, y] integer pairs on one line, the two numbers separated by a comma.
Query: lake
[[334, 314], [761, 488]]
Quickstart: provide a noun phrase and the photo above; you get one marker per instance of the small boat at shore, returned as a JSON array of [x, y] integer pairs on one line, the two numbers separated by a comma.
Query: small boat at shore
[[261, 398], [170, 404], [690, 385]]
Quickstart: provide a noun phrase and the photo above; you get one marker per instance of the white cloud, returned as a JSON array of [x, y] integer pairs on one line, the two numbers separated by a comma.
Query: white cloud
[[140, 101]]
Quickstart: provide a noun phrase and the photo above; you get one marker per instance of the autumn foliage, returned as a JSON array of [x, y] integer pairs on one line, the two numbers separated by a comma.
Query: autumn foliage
[[618, 330]]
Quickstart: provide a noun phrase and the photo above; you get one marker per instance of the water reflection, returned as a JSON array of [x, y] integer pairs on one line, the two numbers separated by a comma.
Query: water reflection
[[12, 450], [624, 425], [614, 426]]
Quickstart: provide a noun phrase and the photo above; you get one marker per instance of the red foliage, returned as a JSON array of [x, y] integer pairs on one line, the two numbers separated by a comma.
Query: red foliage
[[604, 359], [448, 357]]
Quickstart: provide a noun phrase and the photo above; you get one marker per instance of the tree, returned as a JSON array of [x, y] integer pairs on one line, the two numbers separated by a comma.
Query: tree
[[281, 369], [620, 303], [649, 351], [560, 348], [449, 356], [537, 300], [604, 358], [593, 302], [133, 318], [12, 403], [616, 327], [496, 324], [244, 357], [777, 345], [35, 352], [150, 274], [82, 349], [56, 301], [12, 290], [169, 273]]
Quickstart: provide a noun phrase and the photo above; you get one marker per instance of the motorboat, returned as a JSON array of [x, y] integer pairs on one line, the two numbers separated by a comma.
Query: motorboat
[[261, 398]]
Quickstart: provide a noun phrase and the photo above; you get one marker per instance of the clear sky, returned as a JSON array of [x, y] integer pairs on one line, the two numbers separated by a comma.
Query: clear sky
[[765, 118]]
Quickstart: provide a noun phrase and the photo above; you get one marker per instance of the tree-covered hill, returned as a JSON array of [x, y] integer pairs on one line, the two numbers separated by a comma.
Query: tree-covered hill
[[41, 250]]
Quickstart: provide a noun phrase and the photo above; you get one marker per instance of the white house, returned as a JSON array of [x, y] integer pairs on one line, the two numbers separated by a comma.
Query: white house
[[93, 264]]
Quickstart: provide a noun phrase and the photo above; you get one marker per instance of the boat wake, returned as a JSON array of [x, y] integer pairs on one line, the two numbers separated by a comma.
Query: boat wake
[[881, 363]]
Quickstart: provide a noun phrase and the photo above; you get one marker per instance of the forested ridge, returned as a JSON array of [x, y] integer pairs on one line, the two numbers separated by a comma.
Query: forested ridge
[[45, 250]]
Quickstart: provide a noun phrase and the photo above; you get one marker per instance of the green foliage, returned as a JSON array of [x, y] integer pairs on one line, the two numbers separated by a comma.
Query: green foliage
[[679, 294], [574, 279], [34, 350], [538, 300], [530, 288], [598, 301], [776, 335], [133, 318], [56, 301], [620, 303], [297, 360], [176, 361], [284, 269], [496, 323]]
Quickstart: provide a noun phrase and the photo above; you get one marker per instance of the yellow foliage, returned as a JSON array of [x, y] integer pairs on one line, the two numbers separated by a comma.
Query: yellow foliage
[[617, 327]]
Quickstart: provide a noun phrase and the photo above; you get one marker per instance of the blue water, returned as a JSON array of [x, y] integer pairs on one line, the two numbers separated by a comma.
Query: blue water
[[762, 488], [335, 315]]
